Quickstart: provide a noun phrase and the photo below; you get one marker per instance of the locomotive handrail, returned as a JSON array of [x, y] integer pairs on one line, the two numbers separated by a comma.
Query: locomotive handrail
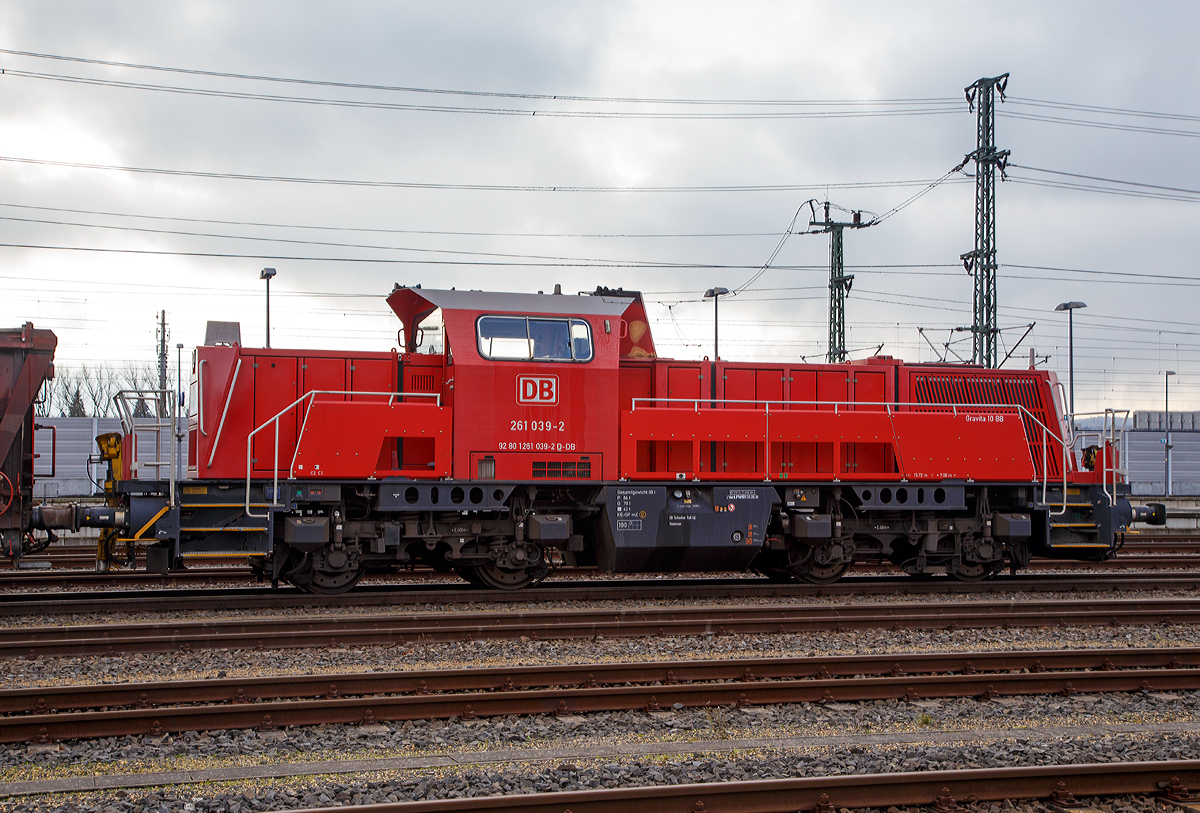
[[888, 407], [228, 399], [1068, 422], [1108, 434], [311, 398], [200, 395], [156, 423]]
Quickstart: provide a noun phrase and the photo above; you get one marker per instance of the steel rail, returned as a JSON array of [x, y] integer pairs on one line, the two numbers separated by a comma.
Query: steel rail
[[270, 714], [825, 794], [224, 573], [612, 589], [234, 568], [511, 678], [396, 629], [72, 555]]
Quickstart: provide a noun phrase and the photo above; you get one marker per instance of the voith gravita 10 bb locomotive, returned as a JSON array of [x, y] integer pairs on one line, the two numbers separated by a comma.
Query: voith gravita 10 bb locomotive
[[508, 435]]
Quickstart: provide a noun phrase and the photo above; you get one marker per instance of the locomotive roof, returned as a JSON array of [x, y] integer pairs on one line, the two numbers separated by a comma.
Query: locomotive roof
[[555, 304]]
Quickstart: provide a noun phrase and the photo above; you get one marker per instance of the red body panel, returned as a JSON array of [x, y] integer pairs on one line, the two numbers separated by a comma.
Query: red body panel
[[621, 414], [572, 416], [358, 438], [1031, 389], [237, 390], [823, 445]]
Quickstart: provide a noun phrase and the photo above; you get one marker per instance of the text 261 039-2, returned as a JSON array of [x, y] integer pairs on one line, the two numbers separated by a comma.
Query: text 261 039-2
[[537, 426]]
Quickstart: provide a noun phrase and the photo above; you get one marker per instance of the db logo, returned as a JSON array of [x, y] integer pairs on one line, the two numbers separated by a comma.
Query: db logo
[[541, 390]]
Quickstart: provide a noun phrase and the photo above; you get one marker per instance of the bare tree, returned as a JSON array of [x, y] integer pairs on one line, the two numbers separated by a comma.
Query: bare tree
[[62, 389], [88, 389], [134, 376], [77, 408], [99, 386]]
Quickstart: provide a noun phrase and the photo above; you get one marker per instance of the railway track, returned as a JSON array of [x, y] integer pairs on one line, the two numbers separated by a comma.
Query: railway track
[[44, 714], [403, 628], [1062, 786], [77, 569], [214, 599]]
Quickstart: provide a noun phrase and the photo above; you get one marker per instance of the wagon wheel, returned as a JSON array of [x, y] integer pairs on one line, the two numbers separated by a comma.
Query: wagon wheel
[[7, 493]]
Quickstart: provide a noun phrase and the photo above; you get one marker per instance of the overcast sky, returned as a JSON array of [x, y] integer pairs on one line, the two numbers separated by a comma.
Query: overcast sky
[[93, 253]]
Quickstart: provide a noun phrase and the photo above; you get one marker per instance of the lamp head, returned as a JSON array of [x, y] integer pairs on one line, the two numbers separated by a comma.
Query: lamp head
[[712, 293], [266, 273], [1170, 372], [1070, 306]]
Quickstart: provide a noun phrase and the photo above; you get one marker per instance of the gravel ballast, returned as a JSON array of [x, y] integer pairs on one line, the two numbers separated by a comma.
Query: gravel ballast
[[201, 664], [191, 750], [917, 729], [317, 791]]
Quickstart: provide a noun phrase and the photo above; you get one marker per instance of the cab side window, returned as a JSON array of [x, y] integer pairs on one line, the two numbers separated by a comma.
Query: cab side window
[[581, 340], [527, 338], [504, 337]]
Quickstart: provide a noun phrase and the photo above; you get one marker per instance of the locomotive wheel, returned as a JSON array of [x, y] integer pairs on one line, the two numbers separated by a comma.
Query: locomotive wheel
[[820, 574], [505, 579], [973, 572], [339, 582], [809, 569], [299, 571]]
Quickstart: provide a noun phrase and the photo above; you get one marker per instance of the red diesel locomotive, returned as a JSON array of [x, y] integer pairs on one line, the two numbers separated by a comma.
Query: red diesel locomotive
[[545, 430]]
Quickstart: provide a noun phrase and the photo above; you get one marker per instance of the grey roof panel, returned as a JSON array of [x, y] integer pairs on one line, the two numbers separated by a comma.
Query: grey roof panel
[[541, 304]]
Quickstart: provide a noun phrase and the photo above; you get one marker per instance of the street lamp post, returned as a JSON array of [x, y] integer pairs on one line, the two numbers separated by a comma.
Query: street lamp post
[[715, 295], [1167, 438], [266, 274], [1070, 308], [178, 405]]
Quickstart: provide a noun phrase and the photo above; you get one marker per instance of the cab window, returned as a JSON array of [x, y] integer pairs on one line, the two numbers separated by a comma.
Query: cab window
[[529, 338]]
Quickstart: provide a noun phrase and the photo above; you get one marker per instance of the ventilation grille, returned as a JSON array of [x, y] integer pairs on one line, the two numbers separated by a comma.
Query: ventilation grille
[[421, 382], [1025, 391], [487, 469], [564, 470]]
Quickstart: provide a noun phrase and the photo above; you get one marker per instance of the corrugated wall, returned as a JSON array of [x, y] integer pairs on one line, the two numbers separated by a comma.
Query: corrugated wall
[[76, 442], [1147, 457]]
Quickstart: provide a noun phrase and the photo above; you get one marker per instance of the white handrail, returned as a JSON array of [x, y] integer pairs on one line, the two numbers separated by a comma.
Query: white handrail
[[200, 395], [888, 408], [1069, 425], [163, 402], [1109, 436], [228, 400], [311, 398]]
